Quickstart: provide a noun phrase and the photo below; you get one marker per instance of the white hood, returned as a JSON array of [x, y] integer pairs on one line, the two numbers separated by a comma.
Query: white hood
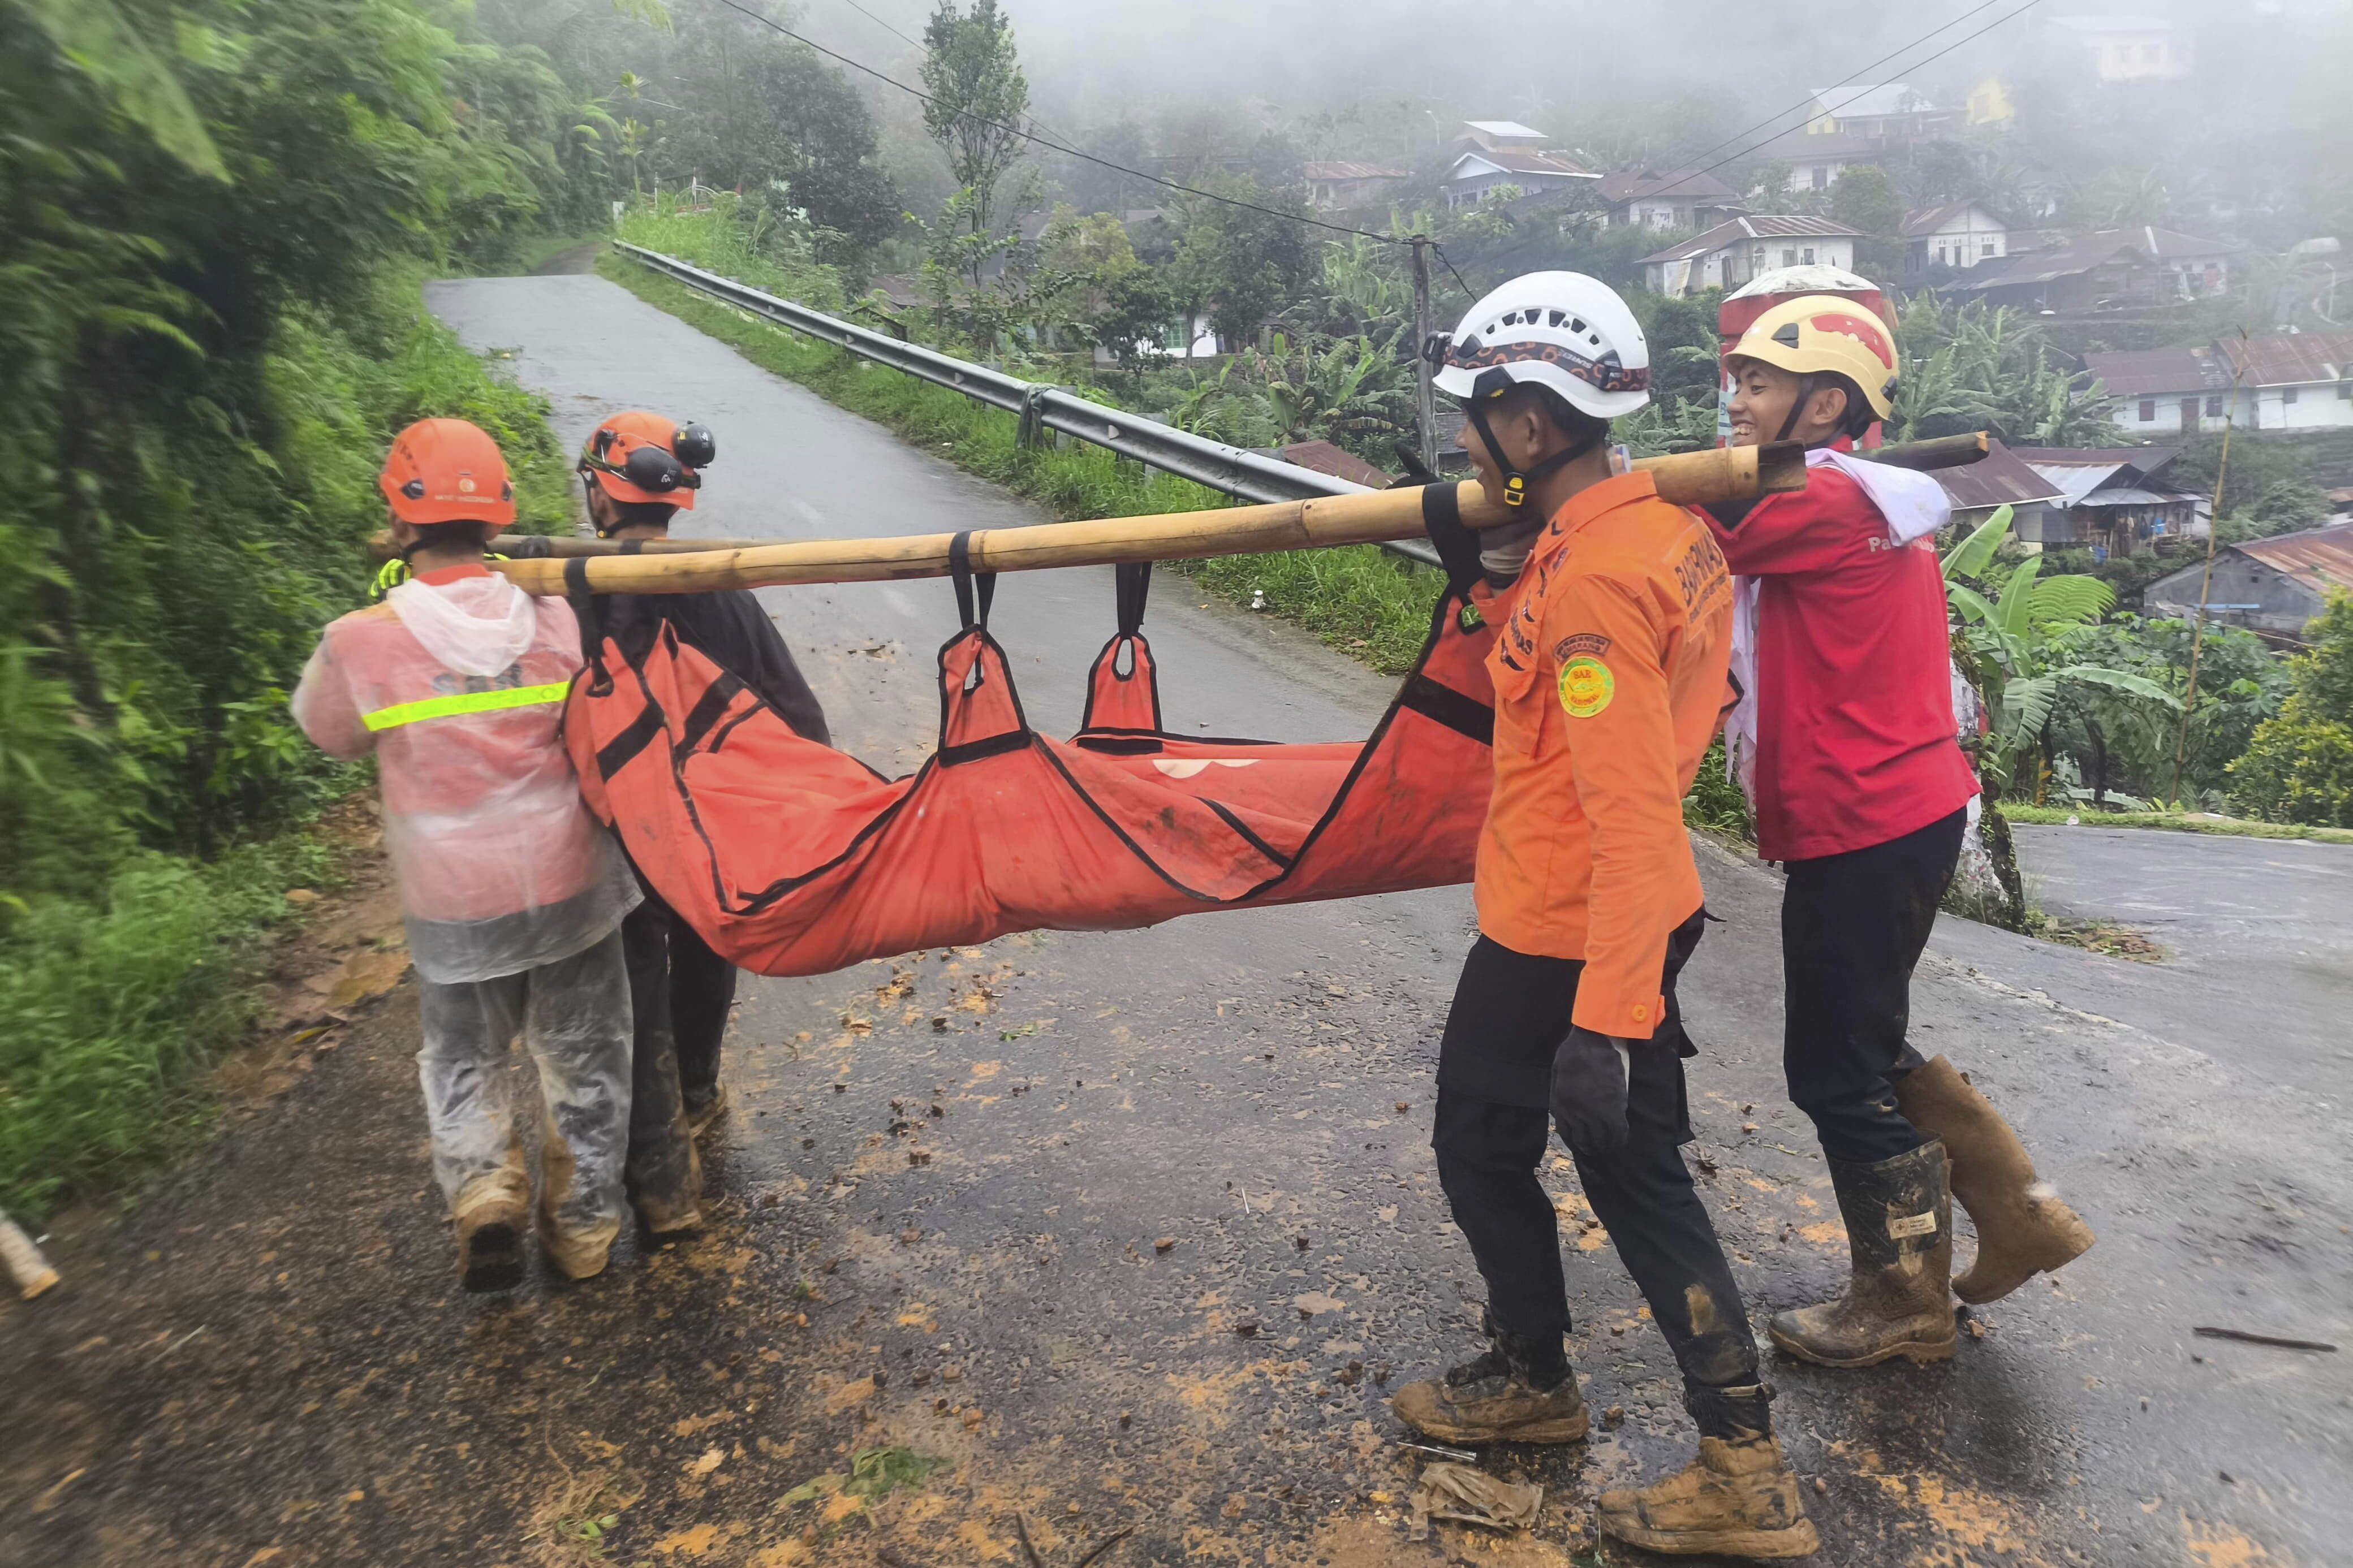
[[475, 625]]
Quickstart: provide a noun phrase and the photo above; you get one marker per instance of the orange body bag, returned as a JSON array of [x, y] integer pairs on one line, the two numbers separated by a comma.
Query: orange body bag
[[791, 858]]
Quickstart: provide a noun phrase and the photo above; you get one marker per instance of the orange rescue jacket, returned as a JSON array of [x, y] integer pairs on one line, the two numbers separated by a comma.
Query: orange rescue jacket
[[1610, 683]]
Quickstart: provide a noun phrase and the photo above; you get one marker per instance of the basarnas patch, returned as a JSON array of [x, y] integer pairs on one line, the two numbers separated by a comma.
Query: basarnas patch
[[1586, 686]]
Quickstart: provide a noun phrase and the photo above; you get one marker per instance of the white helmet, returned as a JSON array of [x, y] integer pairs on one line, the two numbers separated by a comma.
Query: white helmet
[[1562, 331]]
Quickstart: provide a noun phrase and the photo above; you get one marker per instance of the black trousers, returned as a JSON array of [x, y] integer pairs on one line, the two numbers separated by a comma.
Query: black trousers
[[1489, 1152], [1852, 929], [679, 994]]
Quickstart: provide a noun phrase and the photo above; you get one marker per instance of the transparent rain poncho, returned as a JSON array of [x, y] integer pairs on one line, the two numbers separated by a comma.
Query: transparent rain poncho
[[457, 687]]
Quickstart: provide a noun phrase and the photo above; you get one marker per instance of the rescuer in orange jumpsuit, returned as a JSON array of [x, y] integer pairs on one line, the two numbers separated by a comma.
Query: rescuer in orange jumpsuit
[[1610, 683]]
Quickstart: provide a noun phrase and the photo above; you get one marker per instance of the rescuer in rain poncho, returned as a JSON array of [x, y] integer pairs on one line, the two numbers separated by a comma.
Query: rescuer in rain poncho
[[639, 470], [512, 895], [1608, 667], [1843, 741]]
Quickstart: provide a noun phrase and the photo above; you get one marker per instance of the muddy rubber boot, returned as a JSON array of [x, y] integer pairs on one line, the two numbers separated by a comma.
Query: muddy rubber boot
[[1515, 1393], [2023, 1227], [489, 1217], [1738, 1499], [1899, 1230], [701, 1115], [665, 1190], [578, 1254]]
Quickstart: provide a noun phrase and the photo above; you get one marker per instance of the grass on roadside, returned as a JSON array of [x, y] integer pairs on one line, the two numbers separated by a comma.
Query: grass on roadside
[[2175, 821], [109, 1012]]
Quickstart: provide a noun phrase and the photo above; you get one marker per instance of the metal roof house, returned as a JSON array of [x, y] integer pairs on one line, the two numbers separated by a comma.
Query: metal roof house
[[1336, 186], [1681, 198], [2271, 587], [1731, 253], [2111, 500], [2002, 478], [2293, 380], [1498, 152], [2106, 270]]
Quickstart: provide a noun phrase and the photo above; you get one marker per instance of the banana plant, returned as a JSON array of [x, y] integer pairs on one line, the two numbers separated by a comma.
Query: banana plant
[[2020, 643]]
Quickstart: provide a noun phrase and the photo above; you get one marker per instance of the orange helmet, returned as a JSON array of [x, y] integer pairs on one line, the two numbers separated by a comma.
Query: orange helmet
[[447, 470], [640, 457]]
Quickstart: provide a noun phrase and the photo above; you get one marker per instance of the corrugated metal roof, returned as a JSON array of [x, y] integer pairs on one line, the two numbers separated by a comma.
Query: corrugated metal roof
[[1344, 171], [2149, 460], [2141, 372], [2131, 495], [1692, 185], [2293, 359], [1928, 220], [1998, 479], [2322, 557], [2076, 480], [1509, 130], [1326, 459], [1765, 227], [1521, 161], [2146, 244]]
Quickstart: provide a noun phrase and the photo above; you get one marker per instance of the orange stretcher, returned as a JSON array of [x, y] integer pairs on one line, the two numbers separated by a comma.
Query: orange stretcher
[[791, 858]]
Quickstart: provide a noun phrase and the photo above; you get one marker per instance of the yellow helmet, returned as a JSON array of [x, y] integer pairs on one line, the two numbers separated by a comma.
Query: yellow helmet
[[1822, 334]]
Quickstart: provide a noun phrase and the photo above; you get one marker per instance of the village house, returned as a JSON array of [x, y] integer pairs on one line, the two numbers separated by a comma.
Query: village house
[[1341, 186], [2111, 270], [2294, 381], [2291, 380], [2165, 392], [1957, 235], [1680, 198], [1815, 161], [2002, 478], [2271, 587], [1492, 153], [1734, 252], [2112, 500], [2131, 49], [1890, 109]]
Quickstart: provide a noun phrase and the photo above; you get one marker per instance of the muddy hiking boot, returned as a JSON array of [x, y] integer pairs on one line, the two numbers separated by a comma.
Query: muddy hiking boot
[[1521, 1391], [490, 1218], [1738, 1499], [2023, 1227], [1899, 1229]]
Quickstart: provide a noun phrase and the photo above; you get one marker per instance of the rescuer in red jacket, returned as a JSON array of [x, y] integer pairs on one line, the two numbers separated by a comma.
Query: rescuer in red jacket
[[1844, 742]]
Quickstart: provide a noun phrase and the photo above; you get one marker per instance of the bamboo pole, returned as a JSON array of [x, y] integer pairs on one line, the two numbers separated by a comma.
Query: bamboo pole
[[1372, 517]]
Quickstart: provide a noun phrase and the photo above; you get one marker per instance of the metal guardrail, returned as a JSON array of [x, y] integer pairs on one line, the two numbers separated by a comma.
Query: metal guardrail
[[1231, 471]]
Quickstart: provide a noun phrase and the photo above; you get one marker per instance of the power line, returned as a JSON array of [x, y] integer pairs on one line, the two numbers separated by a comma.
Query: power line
[[1916, 65], [1807, 100], [1057, 146]]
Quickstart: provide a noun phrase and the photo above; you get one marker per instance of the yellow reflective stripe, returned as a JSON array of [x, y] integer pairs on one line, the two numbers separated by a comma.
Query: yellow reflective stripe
[[465, 703]]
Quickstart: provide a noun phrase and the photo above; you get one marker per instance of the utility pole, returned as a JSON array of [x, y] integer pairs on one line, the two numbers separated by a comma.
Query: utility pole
[[2206, 582], [1425, 402]]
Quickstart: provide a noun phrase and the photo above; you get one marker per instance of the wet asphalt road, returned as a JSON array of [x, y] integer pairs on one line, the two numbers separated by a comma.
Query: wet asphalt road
[[2258, 934], [269, 1362]]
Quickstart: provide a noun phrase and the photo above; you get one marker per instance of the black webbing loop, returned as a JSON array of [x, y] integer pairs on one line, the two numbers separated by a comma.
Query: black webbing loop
[[592, 625], [1134, 583], [633, 547], [960, 569]]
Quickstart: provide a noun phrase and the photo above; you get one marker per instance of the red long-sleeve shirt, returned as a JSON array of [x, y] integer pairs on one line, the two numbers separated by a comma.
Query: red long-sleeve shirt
[[1855, 735]]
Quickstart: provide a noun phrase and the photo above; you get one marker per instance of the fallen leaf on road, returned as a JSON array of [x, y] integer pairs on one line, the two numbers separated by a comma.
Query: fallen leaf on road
[[710, 1461]]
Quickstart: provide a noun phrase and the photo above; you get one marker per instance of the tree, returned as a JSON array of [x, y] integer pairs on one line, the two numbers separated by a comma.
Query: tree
[[2299, 766], [1863, 197], [1985, 367], [1245, 263], [977, 96], [2025, 647]]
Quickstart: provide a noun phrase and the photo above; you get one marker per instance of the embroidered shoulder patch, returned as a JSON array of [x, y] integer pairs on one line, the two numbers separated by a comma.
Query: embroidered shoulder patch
[[1586, 686], [1575, 643]]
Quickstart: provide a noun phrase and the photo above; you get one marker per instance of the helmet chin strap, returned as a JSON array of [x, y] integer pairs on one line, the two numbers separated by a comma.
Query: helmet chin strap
[[1806, 390], [1517, 480]]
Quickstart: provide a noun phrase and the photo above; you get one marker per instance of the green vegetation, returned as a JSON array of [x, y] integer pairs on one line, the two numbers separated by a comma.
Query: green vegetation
[[210, 247], [2298, 766], [2173, 821]]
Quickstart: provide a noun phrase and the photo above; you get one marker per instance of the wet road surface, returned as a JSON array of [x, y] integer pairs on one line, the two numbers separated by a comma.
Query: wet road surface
[[2258, 934], [949, 1238]]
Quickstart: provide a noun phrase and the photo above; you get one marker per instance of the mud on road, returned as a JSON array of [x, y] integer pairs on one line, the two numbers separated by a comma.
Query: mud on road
[[944, 1185]]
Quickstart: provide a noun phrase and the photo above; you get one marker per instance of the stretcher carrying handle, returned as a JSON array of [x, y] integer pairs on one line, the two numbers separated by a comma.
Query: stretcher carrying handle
[[960, 569]]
